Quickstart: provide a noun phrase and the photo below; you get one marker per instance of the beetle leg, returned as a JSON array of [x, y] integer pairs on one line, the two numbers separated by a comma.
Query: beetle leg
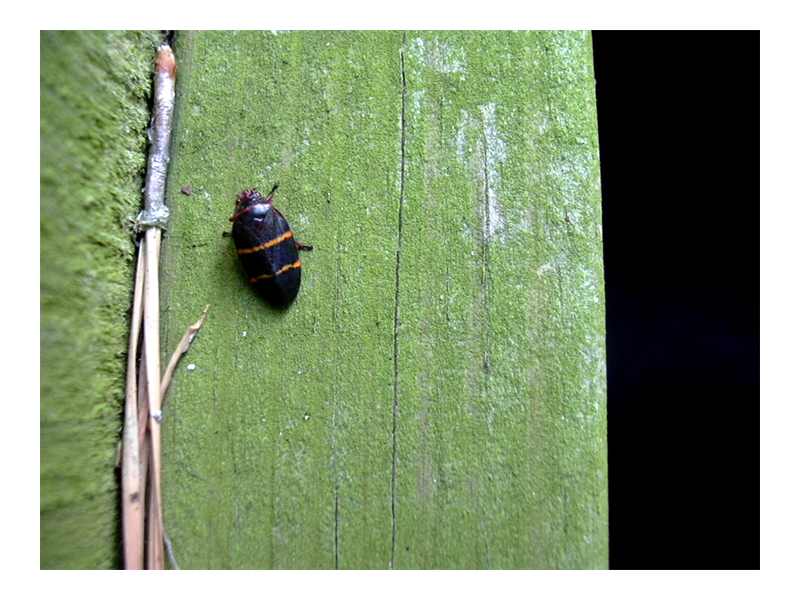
[[271, 193]]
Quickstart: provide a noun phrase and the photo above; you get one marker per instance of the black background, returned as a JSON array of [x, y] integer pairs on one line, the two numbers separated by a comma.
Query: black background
[[679, 153]]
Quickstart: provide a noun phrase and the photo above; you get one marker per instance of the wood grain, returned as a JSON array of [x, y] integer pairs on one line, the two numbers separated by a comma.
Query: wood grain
[[435, 398]]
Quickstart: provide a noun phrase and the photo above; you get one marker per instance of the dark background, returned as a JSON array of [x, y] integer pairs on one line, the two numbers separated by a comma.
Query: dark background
[[679, 152]]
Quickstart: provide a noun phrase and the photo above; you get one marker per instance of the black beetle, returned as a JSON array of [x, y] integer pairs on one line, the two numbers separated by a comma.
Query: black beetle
[[267, 248]]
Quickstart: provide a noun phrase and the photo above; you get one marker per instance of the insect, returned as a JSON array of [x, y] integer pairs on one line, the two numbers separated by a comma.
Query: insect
[[267, 247]]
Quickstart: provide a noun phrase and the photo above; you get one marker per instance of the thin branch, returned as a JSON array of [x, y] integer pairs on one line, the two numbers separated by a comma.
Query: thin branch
[[153, 376], [132, 489], [182, 348], [144, 409], [154, 217], [160, 134]]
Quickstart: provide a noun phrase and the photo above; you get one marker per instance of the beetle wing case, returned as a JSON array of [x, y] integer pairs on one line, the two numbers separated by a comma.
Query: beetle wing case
[[266, 246]]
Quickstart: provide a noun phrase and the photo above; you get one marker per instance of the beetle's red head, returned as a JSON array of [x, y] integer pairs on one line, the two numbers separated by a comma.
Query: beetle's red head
[[249, 200], [247, 196]]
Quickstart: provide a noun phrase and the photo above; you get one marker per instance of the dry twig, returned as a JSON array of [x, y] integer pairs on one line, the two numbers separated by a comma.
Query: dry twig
[[183, 346], [132, 489], [151, 220]]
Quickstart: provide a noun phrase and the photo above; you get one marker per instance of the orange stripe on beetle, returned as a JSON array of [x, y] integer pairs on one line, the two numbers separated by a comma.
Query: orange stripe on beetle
[[269, 244], [296, 265]]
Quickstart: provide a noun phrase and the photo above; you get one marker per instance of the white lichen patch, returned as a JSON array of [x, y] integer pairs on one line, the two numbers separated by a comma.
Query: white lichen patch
[[544, 269], [437, 55], [482, 151], [463, 149], [495, 156]]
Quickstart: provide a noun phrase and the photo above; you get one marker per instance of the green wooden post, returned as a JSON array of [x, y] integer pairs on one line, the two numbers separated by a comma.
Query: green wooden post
[[95, 88], [436, 396]]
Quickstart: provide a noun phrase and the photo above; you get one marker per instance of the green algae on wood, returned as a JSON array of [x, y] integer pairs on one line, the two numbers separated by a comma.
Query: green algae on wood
[[435, 398]]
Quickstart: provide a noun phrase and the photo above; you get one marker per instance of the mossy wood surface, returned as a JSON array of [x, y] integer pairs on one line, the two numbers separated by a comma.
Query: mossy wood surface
[[95, 91], [435, 398]]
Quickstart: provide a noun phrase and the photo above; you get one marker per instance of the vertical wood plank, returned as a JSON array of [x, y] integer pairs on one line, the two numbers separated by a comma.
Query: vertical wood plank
[[94, 93], [435, 396]]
